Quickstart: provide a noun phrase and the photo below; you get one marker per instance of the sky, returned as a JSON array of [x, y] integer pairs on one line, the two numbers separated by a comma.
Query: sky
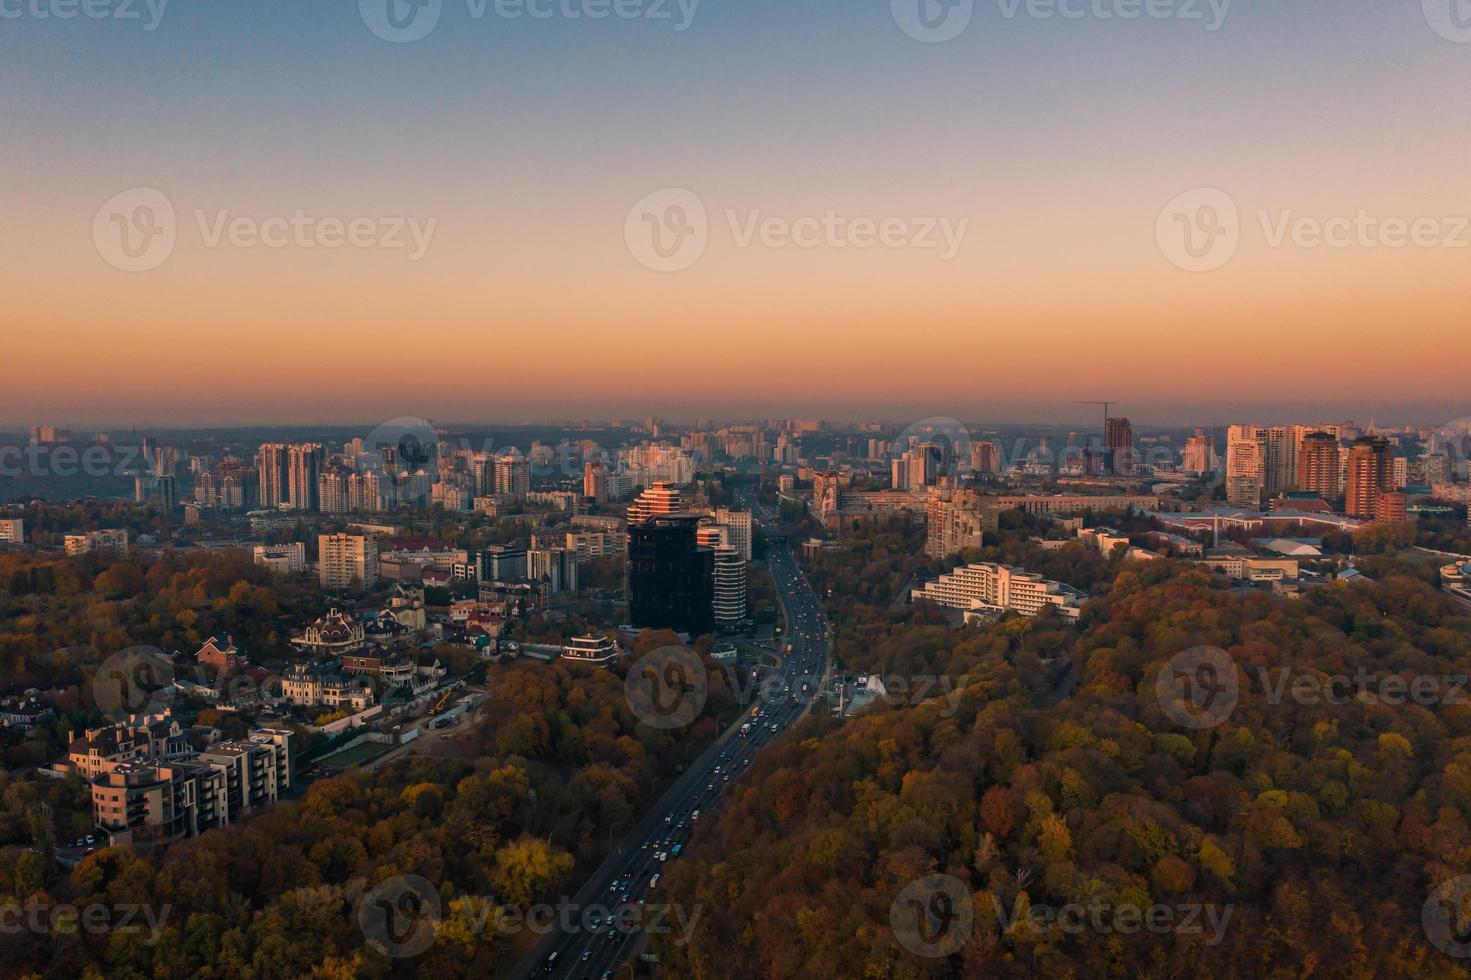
[[808, 208]]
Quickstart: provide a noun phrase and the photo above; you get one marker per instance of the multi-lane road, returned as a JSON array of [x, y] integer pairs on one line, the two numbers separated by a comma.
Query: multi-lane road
[[585, 943]]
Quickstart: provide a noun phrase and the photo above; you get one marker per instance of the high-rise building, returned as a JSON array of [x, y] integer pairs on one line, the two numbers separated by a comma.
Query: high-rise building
[[738, 523], [1318, 465], [303, 475], [729, 574], [985, 458], [272, 467], [729, 587], [661, 498], [1370, 473], [502, 563], [1246, 453], [1118, 443], [671, 579], [1279, 465], [956, 519], [556, 567], [333, 495], [513, 475], [347, 561], [1200, 454], [595, 483]]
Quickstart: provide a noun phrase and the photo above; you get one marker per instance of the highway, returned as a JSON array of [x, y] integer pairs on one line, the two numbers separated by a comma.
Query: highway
[[627, 883]]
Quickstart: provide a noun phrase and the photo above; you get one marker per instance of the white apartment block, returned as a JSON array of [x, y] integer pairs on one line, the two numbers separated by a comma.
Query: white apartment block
[[12, 530], [281, 559], [987, 587], [739, 523]]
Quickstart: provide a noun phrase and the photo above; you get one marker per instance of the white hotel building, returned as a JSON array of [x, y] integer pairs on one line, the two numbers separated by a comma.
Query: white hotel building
[[989, 588]]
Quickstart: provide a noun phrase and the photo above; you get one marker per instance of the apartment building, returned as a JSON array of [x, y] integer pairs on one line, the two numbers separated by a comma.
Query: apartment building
[[347, 561], [157, 802], [988, 588], [281, 559], [111, 543]]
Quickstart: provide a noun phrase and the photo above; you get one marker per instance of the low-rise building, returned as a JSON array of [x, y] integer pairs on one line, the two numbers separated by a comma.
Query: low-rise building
[[300, 686], [281, 559], [989, 588], [592, 651], [108, 544]]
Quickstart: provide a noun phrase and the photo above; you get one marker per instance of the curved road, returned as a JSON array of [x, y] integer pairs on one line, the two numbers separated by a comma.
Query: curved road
[[584, 942]]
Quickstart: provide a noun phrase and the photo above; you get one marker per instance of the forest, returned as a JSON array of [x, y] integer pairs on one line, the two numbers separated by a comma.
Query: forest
[[1314, 832]]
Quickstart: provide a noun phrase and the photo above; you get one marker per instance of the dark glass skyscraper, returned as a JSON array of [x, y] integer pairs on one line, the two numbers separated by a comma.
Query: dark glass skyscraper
[[671, 579]]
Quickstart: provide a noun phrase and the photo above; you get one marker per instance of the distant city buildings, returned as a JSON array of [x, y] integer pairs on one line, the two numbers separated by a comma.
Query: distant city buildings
[[12, 530]]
